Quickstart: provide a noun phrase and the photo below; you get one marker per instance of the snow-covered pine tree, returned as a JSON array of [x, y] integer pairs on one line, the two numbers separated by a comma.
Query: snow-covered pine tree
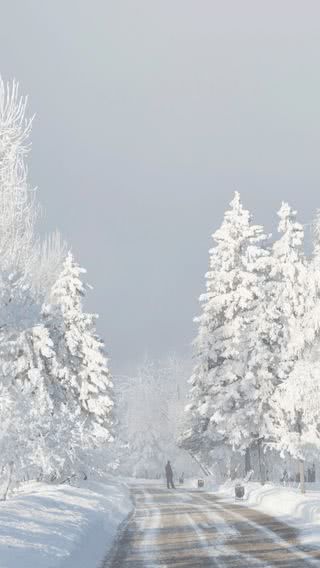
[[289, 272], [44, 420], [45, 430], [29, 405], [290, 417], [297, 412], [83, 364], [260, 379], [307, 330], [26, 370], [221, 400]]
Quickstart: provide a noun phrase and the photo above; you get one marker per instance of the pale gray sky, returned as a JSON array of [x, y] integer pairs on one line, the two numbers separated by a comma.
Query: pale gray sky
[[149, 114]]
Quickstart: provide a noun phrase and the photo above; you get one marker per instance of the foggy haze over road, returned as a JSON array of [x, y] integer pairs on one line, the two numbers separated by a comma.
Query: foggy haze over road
[[149, 116]]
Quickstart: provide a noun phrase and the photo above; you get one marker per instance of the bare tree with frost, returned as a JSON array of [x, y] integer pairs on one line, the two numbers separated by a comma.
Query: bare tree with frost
[[18, 208]]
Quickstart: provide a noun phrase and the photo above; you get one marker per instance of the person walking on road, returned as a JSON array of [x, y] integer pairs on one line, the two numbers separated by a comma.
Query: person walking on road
[[169, 476]]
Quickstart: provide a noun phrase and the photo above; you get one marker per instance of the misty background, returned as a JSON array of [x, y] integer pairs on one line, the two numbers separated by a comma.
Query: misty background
[[149, 114]]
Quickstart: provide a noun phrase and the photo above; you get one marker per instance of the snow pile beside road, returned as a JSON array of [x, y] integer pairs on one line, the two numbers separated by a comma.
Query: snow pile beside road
[[60, 526], [288, 504]]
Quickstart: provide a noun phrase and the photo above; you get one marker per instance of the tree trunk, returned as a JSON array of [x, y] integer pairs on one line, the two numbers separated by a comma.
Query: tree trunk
[[301, 469], [247, 461], [11, 466], [261, 465], [204, 468]]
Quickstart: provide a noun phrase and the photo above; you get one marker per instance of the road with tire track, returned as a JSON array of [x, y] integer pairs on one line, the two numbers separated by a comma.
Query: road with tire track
[[190, 528]]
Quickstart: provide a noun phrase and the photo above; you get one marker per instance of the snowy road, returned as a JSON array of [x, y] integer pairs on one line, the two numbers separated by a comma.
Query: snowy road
[[194, 529]]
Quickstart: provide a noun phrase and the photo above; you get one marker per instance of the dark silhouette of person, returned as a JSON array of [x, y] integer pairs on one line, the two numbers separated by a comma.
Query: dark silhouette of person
[[169, 476]]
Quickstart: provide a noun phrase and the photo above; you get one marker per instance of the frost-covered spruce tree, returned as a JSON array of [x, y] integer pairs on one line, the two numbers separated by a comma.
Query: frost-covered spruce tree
[[44, 422], [290, 277], [280, 335], [260, 381], [29, 403], [27, 397], [296, 426], [44, 427], [307, 333], [290, 419], [221, 397], [296, 411], [61, 436], [80, 352]]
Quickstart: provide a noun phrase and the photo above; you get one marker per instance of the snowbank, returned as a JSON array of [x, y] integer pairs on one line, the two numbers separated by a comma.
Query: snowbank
[[59, 526], [288, 504]]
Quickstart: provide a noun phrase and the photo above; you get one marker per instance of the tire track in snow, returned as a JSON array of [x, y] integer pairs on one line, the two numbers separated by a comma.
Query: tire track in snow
[[175, 529], [271, 535], [220, 547]]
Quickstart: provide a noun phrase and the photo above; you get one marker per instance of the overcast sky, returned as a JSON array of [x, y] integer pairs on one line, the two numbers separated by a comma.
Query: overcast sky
[[150, 113]]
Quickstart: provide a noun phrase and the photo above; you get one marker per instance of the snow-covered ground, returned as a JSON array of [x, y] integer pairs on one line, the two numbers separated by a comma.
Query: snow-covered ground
[[285, 503], [60, 526]]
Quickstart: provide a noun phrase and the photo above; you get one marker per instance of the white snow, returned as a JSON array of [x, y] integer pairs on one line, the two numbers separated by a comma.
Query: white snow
[[60, 526], [286, 503]]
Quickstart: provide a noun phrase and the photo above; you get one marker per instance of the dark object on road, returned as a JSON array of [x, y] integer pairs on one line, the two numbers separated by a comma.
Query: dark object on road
[[200, 483], [239, 491], [169, 476], [181, 479]]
